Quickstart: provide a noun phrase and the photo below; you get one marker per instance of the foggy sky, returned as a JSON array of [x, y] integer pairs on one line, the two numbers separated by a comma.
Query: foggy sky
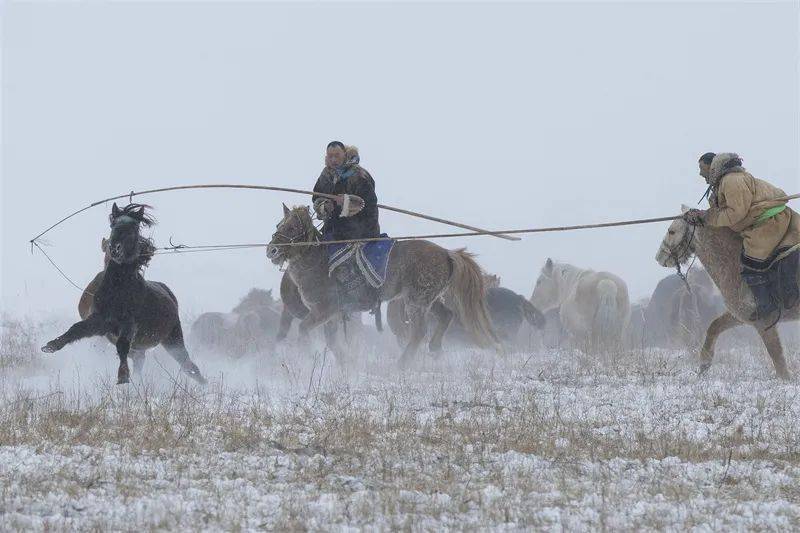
[[500, 116]]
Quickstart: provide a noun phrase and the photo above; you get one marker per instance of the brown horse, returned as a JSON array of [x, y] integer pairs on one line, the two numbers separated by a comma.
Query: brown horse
[[419, 272], [294, 308], [133, 313]]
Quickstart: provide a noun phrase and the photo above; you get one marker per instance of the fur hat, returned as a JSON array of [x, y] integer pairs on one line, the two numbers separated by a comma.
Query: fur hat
[[723, 164]]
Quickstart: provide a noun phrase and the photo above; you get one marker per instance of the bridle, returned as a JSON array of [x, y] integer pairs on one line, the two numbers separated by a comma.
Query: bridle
[[287, 240], [683, 248]]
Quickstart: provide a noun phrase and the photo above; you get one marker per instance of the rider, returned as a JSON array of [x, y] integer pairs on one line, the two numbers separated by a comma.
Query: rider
[[769, 230], [353, 215], [705, 171]]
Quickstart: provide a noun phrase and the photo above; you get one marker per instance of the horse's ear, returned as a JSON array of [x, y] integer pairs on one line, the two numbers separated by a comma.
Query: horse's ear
[[684, 208], [285, 210], [548, 266], [115, 211]]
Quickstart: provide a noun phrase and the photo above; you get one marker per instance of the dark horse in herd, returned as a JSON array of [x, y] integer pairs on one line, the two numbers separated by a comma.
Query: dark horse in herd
[[133, 313]]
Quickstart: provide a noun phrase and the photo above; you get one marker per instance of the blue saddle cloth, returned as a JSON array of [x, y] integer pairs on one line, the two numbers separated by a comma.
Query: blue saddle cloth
[[371, 257]]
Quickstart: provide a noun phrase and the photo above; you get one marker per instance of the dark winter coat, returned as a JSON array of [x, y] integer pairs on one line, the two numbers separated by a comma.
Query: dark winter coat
[[352, 179]]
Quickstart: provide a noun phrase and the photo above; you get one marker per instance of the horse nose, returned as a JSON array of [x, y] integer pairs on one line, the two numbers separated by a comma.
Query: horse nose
[[272, 252]]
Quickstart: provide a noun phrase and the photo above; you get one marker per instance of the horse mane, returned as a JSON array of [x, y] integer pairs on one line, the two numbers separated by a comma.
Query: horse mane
[[147, 249], [304, 214], [133, 211], [257, 297]]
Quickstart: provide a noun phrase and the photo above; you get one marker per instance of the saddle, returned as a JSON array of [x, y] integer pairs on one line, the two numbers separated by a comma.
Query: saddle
[[359, 270]]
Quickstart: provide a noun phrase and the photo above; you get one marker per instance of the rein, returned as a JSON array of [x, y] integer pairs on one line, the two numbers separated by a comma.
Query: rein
[[686, 243], [309, 233]]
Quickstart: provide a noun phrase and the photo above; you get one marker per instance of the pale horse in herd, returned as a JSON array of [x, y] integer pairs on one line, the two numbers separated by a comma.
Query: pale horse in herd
[[594, 307]]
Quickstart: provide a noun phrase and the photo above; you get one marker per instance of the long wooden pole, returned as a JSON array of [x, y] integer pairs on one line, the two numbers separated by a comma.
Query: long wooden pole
[[131, 194]]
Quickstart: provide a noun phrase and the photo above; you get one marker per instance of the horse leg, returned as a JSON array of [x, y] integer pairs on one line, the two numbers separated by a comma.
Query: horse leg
[[286, 324], [312, 320], [93, 325], [773, 343], [416, 319], [126, 333], [719, 325], [138, 361], [445, 316], [176, 347], [331, 330], [397, 319]]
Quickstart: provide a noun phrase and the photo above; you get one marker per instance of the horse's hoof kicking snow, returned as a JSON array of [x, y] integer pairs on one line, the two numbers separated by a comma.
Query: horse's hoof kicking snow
[[49, 348]]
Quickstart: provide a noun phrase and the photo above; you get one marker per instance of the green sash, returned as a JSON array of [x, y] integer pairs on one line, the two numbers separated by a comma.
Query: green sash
[[769, 213]]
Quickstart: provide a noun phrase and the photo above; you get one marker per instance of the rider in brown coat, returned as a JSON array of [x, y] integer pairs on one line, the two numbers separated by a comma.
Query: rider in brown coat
[[753, 208]]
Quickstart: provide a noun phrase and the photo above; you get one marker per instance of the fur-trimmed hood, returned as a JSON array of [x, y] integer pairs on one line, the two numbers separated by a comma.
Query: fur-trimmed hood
[[722, 164], [351, 156]]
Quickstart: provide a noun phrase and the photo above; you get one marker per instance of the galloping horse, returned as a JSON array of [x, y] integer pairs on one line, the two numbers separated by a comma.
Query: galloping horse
[[419, 272], [133, 313], [718, 250]]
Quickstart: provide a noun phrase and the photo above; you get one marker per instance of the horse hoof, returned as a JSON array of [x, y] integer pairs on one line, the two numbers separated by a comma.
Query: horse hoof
[[123, 380], [703, 368], [784, 375], [49, 348]]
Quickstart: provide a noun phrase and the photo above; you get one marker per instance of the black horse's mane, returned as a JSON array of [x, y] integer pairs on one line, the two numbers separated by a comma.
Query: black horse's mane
[[147, 249], [138, 212]]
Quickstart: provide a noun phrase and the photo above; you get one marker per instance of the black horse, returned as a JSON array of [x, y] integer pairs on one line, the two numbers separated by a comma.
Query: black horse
[[135, 314]]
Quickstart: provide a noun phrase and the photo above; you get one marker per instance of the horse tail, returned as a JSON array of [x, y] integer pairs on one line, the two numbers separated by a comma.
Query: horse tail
[[607, 320], [534, 317], [468, 295]]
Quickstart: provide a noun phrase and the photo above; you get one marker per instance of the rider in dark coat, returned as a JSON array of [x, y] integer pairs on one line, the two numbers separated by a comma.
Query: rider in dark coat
[[343, 175], [353, 215]]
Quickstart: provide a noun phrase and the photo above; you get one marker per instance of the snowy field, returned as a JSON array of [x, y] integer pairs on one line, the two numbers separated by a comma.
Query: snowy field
[[549, 440]]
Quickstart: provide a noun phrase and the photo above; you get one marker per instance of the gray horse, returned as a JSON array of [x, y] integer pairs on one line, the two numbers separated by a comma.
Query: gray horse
[[718, 250], [249, 327], [679, 311]]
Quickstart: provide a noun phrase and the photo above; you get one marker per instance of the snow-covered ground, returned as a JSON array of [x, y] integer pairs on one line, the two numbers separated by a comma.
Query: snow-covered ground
[[547, 440]]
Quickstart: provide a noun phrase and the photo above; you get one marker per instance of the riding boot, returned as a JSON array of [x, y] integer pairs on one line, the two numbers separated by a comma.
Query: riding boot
[[788, 275], [759, 283]]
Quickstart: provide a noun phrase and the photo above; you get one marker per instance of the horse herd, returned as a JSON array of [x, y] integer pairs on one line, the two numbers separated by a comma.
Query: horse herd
[[425, 283]]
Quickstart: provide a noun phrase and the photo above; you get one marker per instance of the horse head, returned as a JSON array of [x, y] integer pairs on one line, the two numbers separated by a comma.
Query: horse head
[[296, 226], [677, 247], [552, 282], [125, 245]]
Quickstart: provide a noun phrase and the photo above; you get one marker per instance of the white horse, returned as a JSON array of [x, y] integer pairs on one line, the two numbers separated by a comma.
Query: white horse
[[594, 307], [718, 250]]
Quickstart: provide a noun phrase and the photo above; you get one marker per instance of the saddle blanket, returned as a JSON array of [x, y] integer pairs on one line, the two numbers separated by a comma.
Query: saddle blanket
[[371, 257]]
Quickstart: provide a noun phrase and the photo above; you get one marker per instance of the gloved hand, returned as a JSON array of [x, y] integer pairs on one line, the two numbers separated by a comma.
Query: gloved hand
[[351, 205], [695, 217], [324, 208]]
